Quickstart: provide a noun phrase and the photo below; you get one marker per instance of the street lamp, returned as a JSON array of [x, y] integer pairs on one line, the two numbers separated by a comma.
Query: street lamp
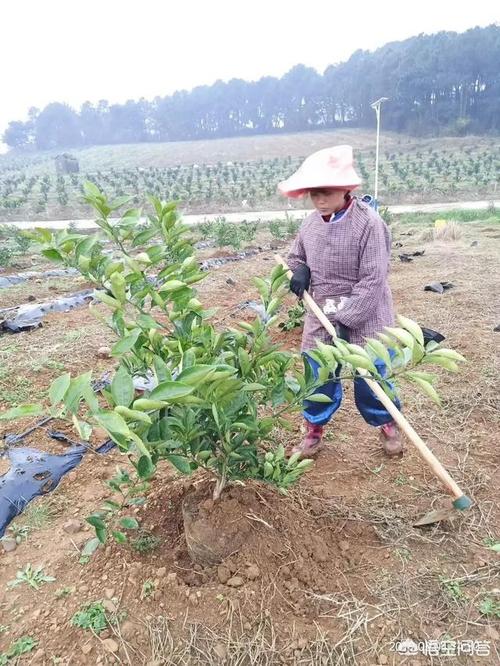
[[376, 107]]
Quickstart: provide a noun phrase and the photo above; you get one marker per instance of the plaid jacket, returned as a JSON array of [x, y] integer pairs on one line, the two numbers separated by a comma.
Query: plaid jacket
[[350, 258]]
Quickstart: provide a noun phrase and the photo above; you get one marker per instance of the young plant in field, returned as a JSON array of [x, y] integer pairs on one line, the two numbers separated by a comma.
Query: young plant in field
[[248, 231], [34, 578], [215, 395], [145, 542], [276, 229], [295, 317], [148, 587], [19, 532], [22, 646], [91, 617], [490, 607]]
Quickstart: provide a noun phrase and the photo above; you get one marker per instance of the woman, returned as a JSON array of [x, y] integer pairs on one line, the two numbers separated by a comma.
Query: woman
[[341, 255]]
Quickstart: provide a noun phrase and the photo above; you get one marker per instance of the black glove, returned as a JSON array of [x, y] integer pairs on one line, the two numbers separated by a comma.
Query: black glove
[[301, 280]]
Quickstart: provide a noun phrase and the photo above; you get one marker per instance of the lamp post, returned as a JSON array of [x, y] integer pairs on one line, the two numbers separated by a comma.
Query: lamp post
[[376, 107]]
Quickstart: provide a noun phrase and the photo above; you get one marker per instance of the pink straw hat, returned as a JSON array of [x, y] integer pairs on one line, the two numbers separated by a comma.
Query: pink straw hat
[[330, 167]]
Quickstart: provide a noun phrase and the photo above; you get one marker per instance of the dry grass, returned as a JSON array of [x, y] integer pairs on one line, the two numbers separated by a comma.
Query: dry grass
[[451, 231]]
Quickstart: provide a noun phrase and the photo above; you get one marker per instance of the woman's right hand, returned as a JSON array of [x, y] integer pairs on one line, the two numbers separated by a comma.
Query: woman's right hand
[[301, 279]]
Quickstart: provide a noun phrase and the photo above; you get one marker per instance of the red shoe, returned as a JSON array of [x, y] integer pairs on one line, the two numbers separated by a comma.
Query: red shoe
[[312, 442], [391, 439]]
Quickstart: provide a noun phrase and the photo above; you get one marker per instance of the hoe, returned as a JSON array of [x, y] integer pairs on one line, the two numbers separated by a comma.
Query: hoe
[[460, 500]]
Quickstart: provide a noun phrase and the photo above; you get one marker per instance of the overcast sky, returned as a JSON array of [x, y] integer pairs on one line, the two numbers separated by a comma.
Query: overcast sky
[[70, 51]]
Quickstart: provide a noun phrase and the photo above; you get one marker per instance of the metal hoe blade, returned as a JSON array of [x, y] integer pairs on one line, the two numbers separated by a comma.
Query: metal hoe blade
[[436, 516]]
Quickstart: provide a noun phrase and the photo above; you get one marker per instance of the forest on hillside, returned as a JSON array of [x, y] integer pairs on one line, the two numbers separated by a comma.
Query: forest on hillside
[[442, 84]]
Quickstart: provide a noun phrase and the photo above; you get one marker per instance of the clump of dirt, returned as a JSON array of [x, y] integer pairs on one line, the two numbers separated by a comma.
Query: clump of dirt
[[257, 538], [214, 530]]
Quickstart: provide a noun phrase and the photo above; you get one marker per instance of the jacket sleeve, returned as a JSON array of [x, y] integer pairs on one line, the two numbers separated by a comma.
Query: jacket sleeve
[[297, 254], [373, 271]]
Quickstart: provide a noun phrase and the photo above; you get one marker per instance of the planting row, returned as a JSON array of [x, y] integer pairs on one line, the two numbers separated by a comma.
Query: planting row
[[246, 184]]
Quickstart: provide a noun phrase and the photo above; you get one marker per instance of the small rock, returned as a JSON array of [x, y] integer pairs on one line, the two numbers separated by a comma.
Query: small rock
[[172, 577], [344, 546], [110, 645], [253, 572], [474, 243], [230, 282], [31, 298], [72, 526], [9, 545], [223, 574], [104, 352], [193, 599], [36, 614], [221, 651], [382, 659], [247, 626], [492, 633], [87, 648], [109, 606], [302, 643], [127, 630], [38, 657], [38, 281], [109, 592], [235, 581], [497, 328], [162, 571]]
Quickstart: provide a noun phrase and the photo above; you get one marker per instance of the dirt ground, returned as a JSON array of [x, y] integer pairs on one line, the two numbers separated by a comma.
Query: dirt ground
[[333, 574]]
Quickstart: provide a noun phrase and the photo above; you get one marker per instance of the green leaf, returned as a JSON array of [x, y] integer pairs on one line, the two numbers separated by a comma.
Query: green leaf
[[96, 521], [22, 410], [102, 296], [144, 236], [119, 537], [358, 361], [162, 371], [169, 391], [402, 335], [59, 387], [90, 547], [180, 463], [427, 388], [122, 387], [125, 344], [113, 423], [412, 327], [129, 523], [53, 255], [145, 467], [91, 190], [318, 397], [253, 386], [379, 351], [101, 534], [77, 387], [119, 201], [448, 353], [442, 361], [196, 374], [172, 285], [83, 428], [132, 414], [46, 234]]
